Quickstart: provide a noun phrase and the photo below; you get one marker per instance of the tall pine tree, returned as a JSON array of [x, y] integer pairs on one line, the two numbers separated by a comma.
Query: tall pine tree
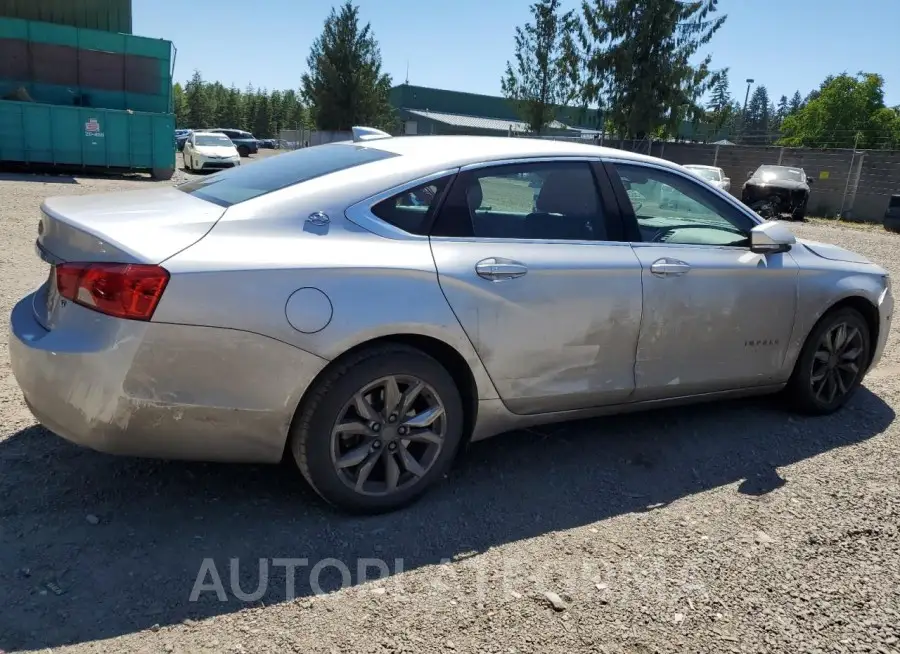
[[641, 58], [345, 84]]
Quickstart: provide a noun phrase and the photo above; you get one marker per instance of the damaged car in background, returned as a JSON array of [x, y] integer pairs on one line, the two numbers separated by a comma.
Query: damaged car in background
[[773, 191]]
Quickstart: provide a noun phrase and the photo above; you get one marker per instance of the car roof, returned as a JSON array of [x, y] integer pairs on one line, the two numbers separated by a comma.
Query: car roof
[[702, 166], [463, 150], [207, 133]]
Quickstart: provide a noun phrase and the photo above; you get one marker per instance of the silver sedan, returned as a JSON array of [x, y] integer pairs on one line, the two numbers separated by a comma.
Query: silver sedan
[[367, 308]]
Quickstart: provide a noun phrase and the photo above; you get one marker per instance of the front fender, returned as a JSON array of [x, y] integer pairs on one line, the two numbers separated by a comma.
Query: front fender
[[821, 289]]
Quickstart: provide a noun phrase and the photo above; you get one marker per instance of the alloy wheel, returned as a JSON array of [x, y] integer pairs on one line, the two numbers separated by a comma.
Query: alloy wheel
[[837, 362], [388, 435]]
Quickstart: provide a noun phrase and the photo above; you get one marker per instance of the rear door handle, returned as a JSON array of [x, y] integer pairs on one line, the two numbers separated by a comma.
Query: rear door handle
[[496, 269], [667, 267]]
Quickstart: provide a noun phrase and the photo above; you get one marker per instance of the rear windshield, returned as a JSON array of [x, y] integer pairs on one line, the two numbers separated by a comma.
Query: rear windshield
[[707, 173], [274, 173]]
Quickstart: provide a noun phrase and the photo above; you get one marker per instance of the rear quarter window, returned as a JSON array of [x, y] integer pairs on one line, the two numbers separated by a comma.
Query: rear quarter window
[[275, 173]]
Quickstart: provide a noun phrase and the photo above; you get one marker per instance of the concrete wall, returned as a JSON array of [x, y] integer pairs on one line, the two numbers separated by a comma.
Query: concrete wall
[[856, 184]]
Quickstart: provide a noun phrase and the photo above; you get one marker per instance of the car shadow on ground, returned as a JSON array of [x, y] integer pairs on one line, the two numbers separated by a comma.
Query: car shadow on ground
[[97, 546]]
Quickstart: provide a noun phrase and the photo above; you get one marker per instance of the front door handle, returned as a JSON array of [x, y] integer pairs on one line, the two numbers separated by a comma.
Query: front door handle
[[496, 269], [667, 267]]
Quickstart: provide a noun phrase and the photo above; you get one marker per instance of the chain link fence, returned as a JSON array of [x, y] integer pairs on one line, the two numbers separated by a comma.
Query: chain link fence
[[849, 183], [292, 139]]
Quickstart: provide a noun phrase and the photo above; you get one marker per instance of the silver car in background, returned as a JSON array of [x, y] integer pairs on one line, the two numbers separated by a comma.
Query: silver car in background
[[368, 307], [712, 174]]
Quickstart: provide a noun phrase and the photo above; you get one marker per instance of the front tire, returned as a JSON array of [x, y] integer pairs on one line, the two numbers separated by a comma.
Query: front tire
[[831, 364], [379, 429]]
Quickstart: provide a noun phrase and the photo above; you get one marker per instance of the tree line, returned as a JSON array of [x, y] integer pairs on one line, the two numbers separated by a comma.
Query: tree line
[[344, 86], [640, 62], [201, 104]]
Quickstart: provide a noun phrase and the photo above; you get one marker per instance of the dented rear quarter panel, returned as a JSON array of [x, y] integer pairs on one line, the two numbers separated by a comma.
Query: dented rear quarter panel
[[262, 251]]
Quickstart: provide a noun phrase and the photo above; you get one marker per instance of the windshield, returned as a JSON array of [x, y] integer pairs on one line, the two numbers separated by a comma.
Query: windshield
[[710, 174], [772, 173], [247, 182], [219, 140]]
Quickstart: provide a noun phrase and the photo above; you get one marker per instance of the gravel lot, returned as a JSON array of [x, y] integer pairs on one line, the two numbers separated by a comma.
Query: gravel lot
[[725, 528]]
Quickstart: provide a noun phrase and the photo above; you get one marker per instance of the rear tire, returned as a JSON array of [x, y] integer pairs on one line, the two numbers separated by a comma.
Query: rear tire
[[832, 363], [350, 445], [244, 151]]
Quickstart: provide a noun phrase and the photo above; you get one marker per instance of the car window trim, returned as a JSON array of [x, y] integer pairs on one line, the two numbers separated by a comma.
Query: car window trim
[[630, 219], [361, 215], [611, 215]]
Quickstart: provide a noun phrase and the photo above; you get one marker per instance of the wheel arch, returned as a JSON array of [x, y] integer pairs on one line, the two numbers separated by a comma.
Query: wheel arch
[[865, 307], [442, 352]]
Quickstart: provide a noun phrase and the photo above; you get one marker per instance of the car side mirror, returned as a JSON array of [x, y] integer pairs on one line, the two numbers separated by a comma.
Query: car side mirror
[[771, 238], [727, 180], [809, 180]]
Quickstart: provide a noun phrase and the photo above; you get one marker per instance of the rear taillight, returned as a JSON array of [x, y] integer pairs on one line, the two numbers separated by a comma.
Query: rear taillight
[[122, 290]]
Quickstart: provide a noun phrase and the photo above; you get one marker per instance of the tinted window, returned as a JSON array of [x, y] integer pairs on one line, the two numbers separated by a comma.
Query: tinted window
[[670, 208], [412, 210], [541, 201], [246, 182]]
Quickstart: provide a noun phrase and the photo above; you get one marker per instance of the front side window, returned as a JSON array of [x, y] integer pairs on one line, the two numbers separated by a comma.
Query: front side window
[[670, 208], [244, 183], [412, 210], [536, 201]]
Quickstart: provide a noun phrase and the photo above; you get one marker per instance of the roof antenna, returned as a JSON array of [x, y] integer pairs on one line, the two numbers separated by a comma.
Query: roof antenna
[[407, 72]]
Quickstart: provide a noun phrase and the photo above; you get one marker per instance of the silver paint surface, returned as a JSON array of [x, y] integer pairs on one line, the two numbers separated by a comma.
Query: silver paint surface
[[588, 330]]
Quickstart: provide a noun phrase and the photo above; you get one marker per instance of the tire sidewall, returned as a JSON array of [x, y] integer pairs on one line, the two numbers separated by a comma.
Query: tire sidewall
[[316, 432], [801, 381]]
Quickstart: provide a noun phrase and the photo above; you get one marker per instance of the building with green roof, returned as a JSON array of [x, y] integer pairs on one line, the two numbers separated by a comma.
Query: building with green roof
[[426, 110]]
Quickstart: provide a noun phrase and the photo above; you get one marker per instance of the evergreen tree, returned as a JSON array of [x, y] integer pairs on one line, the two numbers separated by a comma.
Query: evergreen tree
[[795, 103], [640, 58], [721, 94], [345, 84], [232, 109], [782, 111], [197, 102], [756, 126]]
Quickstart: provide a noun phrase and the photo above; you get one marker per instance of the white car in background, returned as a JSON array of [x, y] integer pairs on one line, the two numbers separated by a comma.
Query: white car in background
[[210, 151], [711, 174]]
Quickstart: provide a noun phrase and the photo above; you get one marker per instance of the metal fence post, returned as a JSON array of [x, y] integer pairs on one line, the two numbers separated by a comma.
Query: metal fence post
[[780, 155], [857, 174], [716, 156]]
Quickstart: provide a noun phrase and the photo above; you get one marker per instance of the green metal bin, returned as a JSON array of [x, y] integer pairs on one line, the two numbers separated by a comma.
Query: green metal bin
[[87, 138]]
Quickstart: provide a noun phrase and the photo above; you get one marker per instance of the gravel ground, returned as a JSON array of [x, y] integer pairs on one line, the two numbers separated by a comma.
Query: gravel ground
[[726, 528]]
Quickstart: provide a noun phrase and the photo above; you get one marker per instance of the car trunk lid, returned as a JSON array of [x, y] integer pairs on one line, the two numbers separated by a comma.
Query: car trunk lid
[[144, 226]]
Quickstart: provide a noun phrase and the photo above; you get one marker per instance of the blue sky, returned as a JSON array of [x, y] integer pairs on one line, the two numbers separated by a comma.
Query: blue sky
[[464, 44]]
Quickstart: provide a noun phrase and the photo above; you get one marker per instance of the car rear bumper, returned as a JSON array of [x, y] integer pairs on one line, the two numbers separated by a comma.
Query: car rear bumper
[[159, 390]]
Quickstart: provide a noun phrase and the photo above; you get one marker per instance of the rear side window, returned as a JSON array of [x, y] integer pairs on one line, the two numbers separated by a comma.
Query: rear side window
[[275, 173], [412, 210]]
